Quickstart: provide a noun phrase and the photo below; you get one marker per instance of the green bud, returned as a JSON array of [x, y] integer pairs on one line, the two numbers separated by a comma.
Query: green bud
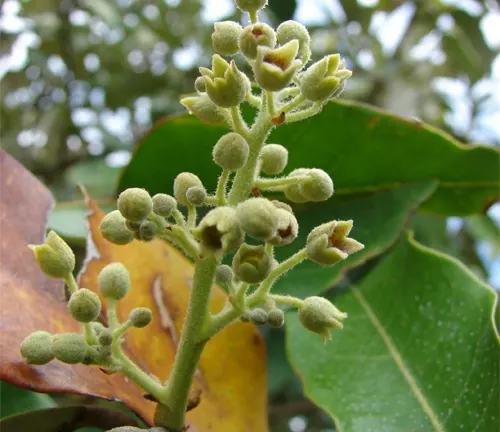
[[135, 204], [140, 317], [182, 183], [258, 317], [114, 281], [196, 195], [114, 229], [54, 257], [84, 305], [219, 231], [274, 69], [319, 187], [328, 243], [225, 37], [276, 318], [224, 274], [164, 205], [97, 327], [288, 228], [147, 230], [255, 35], [294, 192], [226, 85], [231, 151], [132, 225], [290, 30], [202, 107], [282, 205], [322, 80], [36, 348], [319, 315], [199, 85], [245, 318], [252, 264], [69, 347], [258, 218], [273, 159], [105, 337], [250, 5]]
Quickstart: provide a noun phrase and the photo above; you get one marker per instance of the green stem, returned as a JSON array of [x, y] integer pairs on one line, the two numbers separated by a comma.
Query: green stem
[[254, 17], [87, 328], [286, 300], [191, 216], [302, 115], [265, 183], [172, 412], [179, 218], [121, 330], [253, 100], [243, 181], [180, 237], [295, 102], [221, 187], [287, 92], [239, 124], [270, 103]]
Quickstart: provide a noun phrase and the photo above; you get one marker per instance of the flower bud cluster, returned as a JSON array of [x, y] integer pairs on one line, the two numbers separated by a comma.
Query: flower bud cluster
[[275, 317]]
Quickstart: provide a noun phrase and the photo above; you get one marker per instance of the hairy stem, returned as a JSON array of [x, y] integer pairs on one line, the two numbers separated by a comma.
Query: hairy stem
[[238, 123], [274, 183], [221, 187], [87, 328], [171, 413]]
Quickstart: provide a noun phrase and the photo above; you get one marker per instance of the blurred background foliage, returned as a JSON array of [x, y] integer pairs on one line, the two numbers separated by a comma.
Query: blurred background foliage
[[83, 80]]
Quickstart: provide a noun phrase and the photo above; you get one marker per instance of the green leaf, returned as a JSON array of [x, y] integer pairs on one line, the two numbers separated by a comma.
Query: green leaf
[[69, 220], [379, 218], [418, 352], [483, 228], [67, 418], [362, 148], [15, 400]]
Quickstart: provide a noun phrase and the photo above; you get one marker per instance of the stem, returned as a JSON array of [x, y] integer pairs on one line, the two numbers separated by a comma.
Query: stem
[[302, 115], [87, 328], [243, 181], [296, 101], [265, 183], [287, 92], [253, 100], [221, 188], [176, 393], [287, 300], [181, 238], [253, 17], [191, 216], [270, 103], [179, 218], [239, 124]]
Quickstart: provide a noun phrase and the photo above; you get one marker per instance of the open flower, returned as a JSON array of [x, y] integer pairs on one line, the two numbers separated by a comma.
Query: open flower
[[328, 243], [275, 68]]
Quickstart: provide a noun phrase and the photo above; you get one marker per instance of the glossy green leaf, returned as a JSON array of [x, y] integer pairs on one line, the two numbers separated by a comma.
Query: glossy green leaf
[[483, 228], [14, 400], [362, 148], [379, 218], [66, 418], [419, 351]]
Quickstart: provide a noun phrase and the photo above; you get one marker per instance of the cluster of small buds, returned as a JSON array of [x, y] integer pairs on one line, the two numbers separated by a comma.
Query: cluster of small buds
[[275, 317], [93, 347]]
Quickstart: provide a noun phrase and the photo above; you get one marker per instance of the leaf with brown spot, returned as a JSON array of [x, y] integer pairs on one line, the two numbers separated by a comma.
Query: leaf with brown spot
[[32, 301], [232, 370]]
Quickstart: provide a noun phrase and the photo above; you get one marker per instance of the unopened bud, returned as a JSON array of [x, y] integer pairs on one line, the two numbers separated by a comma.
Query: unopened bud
[[36, 348], [140, 317], [69, 347], [319, 315], [54, 257], [105, 337], [224, 274], [282, 205], [252, 264], [274, 158], [258, 218], [290, 30], [114, 281], [147, 231], [199, 85], [164, 205], [114, 229], [255, 35], [196, 195], [319, 186], [225, 37], [276, 318], [288, 228], [202, 107], [84, 305], [135, 204], [251, 6], [231, 151], [258, 317], [182, 183]]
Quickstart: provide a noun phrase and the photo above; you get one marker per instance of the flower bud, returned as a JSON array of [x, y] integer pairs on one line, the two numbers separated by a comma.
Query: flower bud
[[226, 85], [273, 159], [224, 274], [69, 347], [196, 195], [258, 317], [274, 69], [182, 183], [282, 205], [164, 205], [321, 81], [202, 107], [254, 35], [252, 264], [319, 186], [258, 218], [114, 229], [328, 243], [231, 151], [114, 281], [135, 204], [219, 231], [105, 337], [147, 231], [288, 228], [54, 257], [140, 317], [319, 315], [250, 5], [225, 37], [276, 318], [84, 305], [199, 85], [293, 192], [36, 348], [132, 225], [97, 327], [290, 30]]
